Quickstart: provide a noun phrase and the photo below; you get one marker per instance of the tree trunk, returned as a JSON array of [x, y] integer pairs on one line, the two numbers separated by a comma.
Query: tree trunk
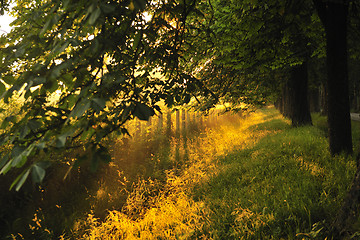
[[314, 100], [338, 86], [285, 101], [323, 101], [298, 96], [334, 14]]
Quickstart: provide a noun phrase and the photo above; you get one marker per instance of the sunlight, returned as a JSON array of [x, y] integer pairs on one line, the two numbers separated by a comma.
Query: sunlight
[[5, 21]]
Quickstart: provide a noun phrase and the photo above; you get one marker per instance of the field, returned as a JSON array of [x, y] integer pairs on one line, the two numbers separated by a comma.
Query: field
[[229, 176]]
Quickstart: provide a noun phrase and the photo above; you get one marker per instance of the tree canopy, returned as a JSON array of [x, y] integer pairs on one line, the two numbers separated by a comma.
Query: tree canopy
[[84, 68]]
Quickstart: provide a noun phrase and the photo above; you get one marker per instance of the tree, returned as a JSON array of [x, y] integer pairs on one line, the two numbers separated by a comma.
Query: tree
[[333, 15], [84, 68], [250, 43]]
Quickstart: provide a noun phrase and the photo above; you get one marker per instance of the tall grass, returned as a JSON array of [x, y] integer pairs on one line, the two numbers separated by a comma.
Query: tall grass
[[250, 177]]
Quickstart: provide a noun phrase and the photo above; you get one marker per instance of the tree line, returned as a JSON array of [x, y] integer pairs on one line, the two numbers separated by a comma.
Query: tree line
[[84, 68]]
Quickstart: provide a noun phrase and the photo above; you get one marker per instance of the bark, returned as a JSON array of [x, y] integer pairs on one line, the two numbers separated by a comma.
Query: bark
[[298, 96], [323, 101], [314, 100], [334, 14], [338, 86], [286, 101]]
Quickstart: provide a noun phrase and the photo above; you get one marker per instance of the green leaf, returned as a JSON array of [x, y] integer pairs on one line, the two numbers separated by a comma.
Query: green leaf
[[34, 124], [143, 112], [94, 16], [24, 131], [48, 25], [80, 108], [9, 79], [37, 173], [107, 8], [20, 180], [140, 4], [20, 154], [87, 134], [2, 88], [41, 145], [7, 167], [4, 160], [61, 139], [137, 39], [98, 104], [7, 120]]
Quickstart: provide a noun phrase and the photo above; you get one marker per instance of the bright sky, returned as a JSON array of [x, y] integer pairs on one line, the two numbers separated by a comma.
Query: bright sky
[[5, 20]]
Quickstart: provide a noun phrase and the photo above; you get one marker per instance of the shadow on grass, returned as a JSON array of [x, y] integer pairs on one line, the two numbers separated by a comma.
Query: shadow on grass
[[272, 124], [282, 187]]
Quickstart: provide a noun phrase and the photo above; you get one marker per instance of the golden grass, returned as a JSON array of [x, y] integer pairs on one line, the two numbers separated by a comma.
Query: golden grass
[[164, 209]]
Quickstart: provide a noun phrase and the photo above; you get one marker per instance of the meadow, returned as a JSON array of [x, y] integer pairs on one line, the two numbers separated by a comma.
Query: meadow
[[229, 176]]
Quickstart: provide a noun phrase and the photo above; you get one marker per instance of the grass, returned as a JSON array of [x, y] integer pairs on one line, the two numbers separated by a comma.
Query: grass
[[251, 177]]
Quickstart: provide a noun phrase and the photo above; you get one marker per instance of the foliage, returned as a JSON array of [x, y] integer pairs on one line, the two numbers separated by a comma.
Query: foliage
[[246, 48], [84, 68]]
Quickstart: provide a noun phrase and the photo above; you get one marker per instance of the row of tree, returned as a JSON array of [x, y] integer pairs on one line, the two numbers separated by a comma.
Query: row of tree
[[278, 49], [86, 67]]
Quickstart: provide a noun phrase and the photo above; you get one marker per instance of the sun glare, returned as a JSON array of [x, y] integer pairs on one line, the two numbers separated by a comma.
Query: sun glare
[[5, 21]]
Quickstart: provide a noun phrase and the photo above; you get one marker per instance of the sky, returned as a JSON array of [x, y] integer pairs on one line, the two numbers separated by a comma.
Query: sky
[[5, 20]]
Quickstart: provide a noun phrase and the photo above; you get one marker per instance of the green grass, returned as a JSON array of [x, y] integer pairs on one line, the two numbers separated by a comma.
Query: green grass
[[234, 178], [259, 179], [277, 189]]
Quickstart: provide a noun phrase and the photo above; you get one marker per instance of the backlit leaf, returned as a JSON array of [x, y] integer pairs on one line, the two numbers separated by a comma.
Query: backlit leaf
[[20, 180], [37, 173], [94, 16]]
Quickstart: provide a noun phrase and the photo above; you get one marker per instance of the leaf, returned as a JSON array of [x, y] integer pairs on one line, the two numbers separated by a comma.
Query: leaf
[[80, 108], [61, 139], [7, 167], [137, 39], [94, 16], [2, 88], [140, 4], [7, 120], [41, 145], [107, 8], [98, 104], [24, 131], [60, 49], [8, 79], [20, 154], [37, 173], [125, 114], [143, 112], [20, 180], [34, 124], [48, 25], [4, 160], [87, 134]]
